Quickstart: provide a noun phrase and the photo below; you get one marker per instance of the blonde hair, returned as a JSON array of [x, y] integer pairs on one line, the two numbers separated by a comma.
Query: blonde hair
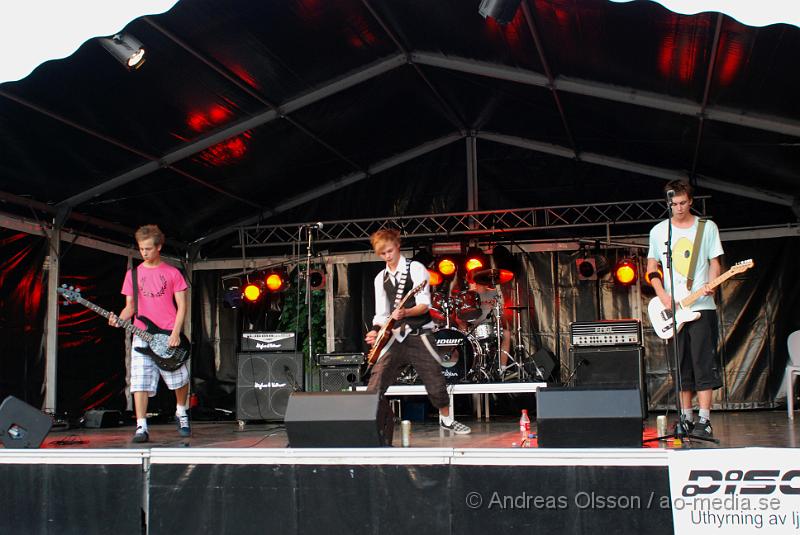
[[150, 231], [384, 235]]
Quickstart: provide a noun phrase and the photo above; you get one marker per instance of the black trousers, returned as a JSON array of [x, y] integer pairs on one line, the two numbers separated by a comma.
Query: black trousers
[[697, 353], [411, 351]]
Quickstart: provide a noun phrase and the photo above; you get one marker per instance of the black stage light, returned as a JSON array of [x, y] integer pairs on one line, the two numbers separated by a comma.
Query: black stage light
[[126, 48]]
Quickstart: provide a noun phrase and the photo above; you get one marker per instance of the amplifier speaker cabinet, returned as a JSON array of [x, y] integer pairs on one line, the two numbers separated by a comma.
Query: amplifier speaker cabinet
[[264, 383], [338, 378], [338, 419], [610, 367], [21, 425], [585, 417]]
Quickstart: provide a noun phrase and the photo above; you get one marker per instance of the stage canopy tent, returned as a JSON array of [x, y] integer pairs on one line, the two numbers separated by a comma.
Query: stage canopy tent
[[304, 110]]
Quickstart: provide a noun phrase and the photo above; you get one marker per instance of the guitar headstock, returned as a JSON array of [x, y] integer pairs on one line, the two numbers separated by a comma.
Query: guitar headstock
[[741, 267], [70, 294]]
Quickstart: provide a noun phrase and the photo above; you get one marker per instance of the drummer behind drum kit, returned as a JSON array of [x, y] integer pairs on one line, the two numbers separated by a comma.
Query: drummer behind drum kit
[[470, 353]]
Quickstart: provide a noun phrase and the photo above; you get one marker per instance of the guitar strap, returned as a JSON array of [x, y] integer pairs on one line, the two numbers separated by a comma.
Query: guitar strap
[[698, 238], [401, 284], [135, 281]]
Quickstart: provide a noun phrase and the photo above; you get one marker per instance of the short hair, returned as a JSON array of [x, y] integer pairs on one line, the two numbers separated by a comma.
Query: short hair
[[384, 235], [680, 187], [150, 231]]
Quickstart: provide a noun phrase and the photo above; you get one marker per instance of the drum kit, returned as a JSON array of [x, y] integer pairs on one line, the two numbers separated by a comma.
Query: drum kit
[[469, 333]]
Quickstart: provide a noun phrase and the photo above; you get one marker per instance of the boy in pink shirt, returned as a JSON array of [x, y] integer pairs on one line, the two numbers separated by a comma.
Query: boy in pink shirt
[[161, 299]]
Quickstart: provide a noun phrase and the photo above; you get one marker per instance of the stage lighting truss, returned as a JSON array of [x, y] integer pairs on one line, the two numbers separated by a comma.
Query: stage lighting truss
[[479, 223]]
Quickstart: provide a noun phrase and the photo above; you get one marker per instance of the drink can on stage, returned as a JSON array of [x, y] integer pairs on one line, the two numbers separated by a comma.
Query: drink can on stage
[[661, 425], [405, 433]]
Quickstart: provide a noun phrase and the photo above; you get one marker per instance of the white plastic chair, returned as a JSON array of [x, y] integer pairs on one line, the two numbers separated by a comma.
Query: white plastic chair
[[792, 370]]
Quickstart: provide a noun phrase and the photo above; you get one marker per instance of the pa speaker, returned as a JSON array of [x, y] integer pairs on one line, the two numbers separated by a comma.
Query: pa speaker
[[264, 383], [338, 419], [338, 378], [22, 426], [610, 366], [584, 417]]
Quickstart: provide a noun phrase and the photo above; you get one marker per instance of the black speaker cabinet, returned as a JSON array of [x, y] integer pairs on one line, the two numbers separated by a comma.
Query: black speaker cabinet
[[615, 366], [338, 419], [264, 383], [22, 426], [338, 378], [584, 417], [95, 419]]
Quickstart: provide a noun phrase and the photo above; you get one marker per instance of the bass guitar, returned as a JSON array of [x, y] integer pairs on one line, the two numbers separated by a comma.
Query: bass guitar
[[385, 334], [661, 316], [165, 357]]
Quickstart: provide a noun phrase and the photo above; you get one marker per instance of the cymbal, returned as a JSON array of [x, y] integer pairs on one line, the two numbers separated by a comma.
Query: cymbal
[[519, 307], [492, 277]]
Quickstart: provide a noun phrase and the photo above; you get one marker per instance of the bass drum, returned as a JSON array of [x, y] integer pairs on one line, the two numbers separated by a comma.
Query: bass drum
[[458, 353]]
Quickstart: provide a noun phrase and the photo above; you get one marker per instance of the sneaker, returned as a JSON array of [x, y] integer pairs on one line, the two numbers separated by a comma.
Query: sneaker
[[140, 436], [456, 427], [183, 425], [702, 429]]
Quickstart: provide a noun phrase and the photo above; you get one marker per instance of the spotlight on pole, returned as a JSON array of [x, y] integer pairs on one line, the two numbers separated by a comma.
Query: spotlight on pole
[[503, 11], [126, 48], [252, 292]]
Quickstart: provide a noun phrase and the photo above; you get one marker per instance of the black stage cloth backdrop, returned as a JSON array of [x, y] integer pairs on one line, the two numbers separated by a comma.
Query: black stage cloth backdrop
[[22, 315], [757, 311], [91, 354]]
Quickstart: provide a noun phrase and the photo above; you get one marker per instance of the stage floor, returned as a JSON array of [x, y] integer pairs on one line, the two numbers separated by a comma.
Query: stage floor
[[734, 429]]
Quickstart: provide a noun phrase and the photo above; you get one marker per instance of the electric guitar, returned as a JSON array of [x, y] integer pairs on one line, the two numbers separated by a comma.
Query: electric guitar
[[661, 316], [165, 357], [385, 334]]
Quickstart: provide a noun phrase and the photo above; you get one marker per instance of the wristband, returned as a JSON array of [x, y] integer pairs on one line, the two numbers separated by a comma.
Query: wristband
[[653, 275]]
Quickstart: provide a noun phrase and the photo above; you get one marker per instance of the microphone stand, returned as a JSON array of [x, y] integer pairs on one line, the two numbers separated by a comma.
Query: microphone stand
[[681, 431], [309, 228]]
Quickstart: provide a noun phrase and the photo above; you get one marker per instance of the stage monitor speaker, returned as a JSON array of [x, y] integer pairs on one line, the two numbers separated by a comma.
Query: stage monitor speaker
[[22, 426], [264, 383], [615, 366], [95, 419], [338, 378], [338, 419], [584, 417]]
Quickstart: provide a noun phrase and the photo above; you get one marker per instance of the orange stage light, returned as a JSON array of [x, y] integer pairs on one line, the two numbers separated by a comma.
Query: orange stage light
[[252, 292], [447, 267], [274, 282], [436, 278], [625, 272]]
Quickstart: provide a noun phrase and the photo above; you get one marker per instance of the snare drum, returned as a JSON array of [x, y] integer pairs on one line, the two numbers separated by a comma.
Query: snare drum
[[458, 352], [469, 305]]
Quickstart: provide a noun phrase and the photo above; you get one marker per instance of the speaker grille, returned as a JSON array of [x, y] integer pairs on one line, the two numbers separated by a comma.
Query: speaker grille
[[338, 378], [264, 383]]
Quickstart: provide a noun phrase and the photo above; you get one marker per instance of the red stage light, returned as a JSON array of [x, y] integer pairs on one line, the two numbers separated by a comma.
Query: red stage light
[[436, 278], [625, 272], [474, 263], [505, 276], [252, 292], [447, 267], [275, 282]]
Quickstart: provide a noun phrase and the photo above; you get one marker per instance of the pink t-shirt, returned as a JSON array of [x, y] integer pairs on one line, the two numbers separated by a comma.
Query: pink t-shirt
[[157, 286]]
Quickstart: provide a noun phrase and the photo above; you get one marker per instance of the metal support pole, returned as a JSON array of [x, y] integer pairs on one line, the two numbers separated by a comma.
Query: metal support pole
[[472, 174], [51, 326]]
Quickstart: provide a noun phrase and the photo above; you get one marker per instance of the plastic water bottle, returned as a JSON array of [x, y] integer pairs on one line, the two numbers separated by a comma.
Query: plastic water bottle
[[524, 427]]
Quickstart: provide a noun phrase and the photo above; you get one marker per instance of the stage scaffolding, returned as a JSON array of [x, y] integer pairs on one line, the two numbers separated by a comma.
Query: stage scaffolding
[[469, 224]]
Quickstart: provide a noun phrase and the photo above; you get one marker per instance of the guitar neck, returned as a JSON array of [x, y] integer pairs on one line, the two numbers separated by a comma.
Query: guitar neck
[[687, 301], [127, 324]]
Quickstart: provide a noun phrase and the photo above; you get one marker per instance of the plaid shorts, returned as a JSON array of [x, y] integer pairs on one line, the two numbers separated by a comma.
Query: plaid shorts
[[145, 373]]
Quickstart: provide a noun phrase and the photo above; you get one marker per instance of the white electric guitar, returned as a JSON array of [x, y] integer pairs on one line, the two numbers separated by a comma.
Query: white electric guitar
[[661, 316]]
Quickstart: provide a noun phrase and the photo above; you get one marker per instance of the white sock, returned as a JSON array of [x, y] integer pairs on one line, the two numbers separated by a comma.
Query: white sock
[[141, 422], [180, 410], [446, 420], [688, 414], [705, 413]]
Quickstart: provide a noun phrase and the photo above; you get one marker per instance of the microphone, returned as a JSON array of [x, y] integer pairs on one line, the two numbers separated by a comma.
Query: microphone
[[670, 194], [318, 225]]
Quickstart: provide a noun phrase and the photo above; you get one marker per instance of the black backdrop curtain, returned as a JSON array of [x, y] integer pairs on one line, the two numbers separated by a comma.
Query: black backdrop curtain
[[22, 313]]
